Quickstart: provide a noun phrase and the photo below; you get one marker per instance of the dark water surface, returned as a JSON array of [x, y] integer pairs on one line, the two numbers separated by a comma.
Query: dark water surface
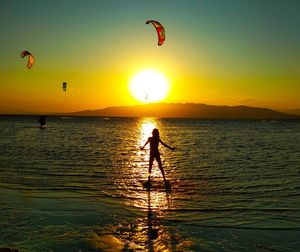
[[77, 185]]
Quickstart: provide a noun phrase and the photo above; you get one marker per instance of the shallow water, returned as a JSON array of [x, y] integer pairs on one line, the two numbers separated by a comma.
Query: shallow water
[[77, 185]]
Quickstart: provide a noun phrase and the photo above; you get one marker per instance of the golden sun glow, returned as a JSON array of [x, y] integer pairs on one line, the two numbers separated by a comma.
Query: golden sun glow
[[149, 86]]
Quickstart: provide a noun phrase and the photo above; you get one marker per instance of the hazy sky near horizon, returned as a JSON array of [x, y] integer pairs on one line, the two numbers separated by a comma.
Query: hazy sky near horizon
[[216, 52]]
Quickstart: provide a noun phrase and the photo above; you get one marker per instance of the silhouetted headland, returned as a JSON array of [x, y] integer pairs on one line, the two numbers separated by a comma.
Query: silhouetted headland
[[187, 110]]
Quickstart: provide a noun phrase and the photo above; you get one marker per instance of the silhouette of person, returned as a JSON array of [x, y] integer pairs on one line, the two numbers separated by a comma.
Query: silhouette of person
[[154, 153], [42, 120]]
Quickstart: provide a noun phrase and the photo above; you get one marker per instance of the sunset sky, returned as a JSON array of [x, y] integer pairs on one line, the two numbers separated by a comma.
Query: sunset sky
[[216, 52]]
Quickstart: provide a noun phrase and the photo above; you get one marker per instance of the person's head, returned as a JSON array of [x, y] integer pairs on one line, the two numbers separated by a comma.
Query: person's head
[[155, 133]]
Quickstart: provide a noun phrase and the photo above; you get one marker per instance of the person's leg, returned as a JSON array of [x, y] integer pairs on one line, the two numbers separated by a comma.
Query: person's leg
[[160, 167], [151, 159]]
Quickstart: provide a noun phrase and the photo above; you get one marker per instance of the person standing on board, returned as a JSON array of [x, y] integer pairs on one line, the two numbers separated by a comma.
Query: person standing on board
[[154, 153], [42, 121]]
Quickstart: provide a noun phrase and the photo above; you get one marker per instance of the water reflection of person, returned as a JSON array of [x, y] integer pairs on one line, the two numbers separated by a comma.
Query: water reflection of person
[[158, 235], [154, 153], [152, 232]]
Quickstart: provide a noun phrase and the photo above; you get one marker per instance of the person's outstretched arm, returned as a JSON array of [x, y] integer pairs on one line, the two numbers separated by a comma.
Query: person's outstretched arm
[[171, 148], [144, 144]]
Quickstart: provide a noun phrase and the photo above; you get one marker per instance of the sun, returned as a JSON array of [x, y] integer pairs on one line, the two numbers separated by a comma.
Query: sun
[[149, 86]]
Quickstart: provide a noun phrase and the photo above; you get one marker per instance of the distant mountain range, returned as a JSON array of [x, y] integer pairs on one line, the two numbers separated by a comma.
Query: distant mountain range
[[187, 110]]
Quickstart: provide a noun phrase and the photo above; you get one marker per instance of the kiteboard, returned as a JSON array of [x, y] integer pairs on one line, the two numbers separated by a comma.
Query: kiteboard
[[156, 185]]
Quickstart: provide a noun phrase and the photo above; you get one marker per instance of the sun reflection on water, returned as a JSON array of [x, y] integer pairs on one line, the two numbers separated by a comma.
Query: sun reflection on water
[[146, 126], [148, 231]]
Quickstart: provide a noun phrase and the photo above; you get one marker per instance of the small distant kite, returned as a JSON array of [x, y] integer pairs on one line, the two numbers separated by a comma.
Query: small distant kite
[[145, 95], [30, 61], [160, 31], [64, 86]]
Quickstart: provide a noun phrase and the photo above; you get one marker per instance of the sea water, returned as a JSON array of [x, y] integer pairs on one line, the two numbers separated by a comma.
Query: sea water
[[77, 185]]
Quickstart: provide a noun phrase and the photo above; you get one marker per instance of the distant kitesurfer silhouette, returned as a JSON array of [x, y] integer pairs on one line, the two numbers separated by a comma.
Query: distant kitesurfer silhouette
[[154, 153], [42, 121]]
